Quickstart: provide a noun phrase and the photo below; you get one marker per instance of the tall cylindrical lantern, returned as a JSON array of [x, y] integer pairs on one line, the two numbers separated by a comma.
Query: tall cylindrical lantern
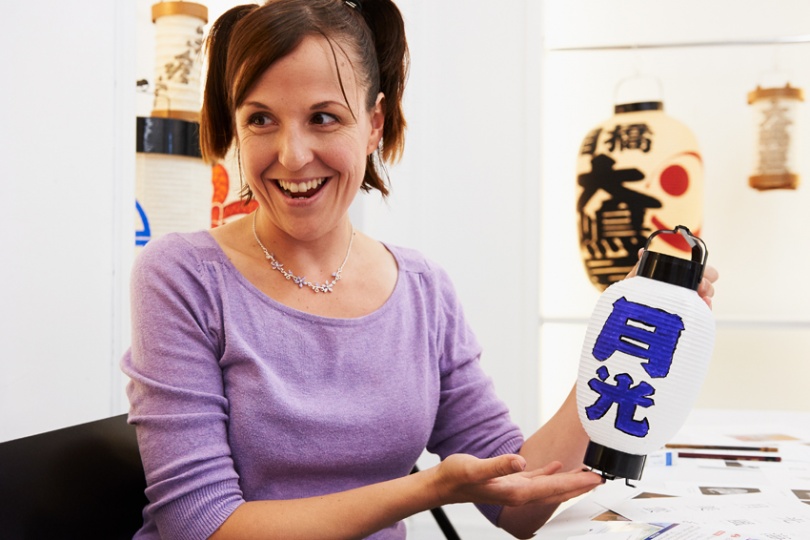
[[637, 172], [645, 355], [775, 113], [172, 184], [178, 42]]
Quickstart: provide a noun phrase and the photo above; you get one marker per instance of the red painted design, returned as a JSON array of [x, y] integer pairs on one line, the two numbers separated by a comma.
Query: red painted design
[[675, 240], [220, 211]]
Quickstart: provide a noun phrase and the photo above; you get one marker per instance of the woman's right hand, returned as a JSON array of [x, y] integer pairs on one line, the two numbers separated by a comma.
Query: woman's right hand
[[503, 480]]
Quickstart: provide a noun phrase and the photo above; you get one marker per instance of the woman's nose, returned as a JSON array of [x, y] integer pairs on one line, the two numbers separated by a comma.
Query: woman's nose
[[294, 149]]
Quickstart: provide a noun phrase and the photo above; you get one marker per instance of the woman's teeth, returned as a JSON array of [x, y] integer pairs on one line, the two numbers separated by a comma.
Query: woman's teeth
[[301, 189]]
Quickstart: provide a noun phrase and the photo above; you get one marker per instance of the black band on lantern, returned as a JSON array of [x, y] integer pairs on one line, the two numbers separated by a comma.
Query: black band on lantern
[[614, 463], [172, 136], [675, 270], [640, 106]]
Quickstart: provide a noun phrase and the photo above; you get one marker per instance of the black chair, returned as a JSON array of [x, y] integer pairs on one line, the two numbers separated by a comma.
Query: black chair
[[441, 519], [83, 482], [80, 482]]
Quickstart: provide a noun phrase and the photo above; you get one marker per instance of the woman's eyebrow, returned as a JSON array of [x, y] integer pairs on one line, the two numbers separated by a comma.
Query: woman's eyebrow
[[327, 103], [255, 104]]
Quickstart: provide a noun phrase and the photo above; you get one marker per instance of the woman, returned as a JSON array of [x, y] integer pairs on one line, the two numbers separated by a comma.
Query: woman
[[286, 370]]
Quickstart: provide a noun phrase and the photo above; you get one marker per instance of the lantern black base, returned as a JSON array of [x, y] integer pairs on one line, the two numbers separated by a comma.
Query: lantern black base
[[614, 463]]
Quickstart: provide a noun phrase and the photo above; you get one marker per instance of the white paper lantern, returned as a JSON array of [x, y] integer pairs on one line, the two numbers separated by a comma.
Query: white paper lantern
[[775, 118], [173, 187], [644, 359], [178, 43]]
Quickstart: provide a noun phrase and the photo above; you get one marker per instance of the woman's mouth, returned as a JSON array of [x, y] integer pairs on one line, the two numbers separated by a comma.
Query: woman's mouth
[[301, 190]]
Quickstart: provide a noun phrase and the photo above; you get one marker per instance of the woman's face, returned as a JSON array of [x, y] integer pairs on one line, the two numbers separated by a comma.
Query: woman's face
[[303, 153]]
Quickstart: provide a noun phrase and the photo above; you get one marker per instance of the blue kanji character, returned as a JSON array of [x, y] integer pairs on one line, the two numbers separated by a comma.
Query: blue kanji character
[[626, 397], [641, 331]]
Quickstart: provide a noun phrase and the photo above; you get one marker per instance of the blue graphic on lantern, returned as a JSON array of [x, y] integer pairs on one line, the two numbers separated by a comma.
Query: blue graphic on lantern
[[644, 359], [625, 397]]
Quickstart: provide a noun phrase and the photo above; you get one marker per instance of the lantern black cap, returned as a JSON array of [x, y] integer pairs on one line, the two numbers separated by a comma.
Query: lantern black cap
[[675, 270], [172, 136], [638, 106], [614, 463]]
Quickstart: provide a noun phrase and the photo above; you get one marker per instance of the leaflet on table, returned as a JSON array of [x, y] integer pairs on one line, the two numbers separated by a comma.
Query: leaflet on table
[[659, 531], [768, 516]]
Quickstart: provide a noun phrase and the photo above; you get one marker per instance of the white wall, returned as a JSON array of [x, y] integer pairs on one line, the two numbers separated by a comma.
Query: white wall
[[758, 240], [67, 135]]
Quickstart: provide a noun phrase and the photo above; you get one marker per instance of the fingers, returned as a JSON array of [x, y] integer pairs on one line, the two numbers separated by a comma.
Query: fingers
[[706, 287], [503, 480], [711, 274], [482, 470], [552, 468], [560, 487], [506, 464], [634, 270]]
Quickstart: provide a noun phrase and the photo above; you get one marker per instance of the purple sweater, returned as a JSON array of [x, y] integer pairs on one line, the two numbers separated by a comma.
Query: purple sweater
[[237, 397]]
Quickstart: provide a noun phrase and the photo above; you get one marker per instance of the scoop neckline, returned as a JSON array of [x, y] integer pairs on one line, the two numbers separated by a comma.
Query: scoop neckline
[[247, 284]]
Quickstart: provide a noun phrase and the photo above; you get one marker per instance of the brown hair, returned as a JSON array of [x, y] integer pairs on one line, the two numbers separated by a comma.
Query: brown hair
[[246, 40]]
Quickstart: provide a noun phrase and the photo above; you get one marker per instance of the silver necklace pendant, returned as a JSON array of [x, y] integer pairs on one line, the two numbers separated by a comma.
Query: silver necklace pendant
[[302, 281]]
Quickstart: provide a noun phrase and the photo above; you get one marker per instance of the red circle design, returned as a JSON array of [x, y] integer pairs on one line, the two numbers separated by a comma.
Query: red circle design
[[675, 180]]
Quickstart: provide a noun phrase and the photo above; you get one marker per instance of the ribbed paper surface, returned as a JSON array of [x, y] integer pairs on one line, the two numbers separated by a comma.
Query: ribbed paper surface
[[674, 394], [174, 193]]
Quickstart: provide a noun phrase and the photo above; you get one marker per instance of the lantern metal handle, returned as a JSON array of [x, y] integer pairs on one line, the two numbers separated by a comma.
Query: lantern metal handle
[[700, 253], [638, 76]]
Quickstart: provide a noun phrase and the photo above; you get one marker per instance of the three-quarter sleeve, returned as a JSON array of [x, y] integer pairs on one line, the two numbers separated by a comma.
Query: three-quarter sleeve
[[177, 399], [471, 418]]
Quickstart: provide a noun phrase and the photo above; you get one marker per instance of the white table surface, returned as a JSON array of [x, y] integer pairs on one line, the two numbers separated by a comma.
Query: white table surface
[[717, 427]]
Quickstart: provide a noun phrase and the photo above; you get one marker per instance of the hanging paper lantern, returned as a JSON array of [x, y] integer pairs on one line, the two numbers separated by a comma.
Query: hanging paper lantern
[[645, 355], [775, 113], [179, 28], [637, 172]]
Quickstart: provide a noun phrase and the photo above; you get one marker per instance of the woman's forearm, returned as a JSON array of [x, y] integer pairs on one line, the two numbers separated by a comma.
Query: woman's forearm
[[501, 480], [356, 513], [561, 439]]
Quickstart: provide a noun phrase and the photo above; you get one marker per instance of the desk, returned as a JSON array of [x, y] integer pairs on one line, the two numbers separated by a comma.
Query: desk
[[757, 499]]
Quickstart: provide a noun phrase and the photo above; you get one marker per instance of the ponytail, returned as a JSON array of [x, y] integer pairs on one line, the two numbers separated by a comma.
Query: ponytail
[[385, 22], [216, 120]]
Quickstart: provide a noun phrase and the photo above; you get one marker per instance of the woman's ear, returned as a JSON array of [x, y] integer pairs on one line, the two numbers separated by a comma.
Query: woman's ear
[[377, 118]]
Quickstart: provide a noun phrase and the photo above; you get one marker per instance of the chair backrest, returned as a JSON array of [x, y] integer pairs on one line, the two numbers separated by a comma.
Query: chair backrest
[[84, 481]]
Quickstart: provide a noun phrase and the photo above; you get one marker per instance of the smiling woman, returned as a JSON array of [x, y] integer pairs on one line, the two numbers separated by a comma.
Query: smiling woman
[[264, 396]]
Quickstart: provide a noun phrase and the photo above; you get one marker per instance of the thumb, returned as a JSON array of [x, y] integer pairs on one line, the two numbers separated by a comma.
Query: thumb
[[506, 464]]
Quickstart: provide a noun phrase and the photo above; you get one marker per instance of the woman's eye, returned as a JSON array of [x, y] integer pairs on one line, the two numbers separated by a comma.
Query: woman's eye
[[258, 119], [323, 119]]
